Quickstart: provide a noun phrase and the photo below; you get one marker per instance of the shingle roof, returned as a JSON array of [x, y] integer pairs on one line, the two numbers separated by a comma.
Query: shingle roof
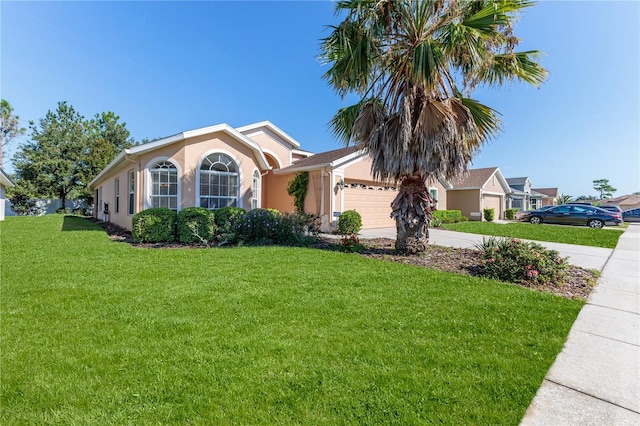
[[549, 192], [517, 180], [474, 178], [323, 158]]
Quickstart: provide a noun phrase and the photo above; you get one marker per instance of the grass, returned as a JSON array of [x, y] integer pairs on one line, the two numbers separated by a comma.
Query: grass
[[607, 238], [98, 332]]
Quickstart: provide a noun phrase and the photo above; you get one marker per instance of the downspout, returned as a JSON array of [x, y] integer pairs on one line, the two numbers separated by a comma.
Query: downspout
[[137, 183]]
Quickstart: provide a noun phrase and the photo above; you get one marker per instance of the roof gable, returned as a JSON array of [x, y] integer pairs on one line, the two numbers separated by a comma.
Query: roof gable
[[272, 130], [224, 128], [478, 178]]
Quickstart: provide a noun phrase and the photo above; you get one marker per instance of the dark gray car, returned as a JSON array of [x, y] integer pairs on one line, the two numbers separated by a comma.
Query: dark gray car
[[573, 214]]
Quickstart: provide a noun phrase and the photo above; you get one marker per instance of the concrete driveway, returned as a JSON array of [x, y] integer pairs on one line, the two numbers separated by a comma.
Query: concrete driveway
[[583, 256]]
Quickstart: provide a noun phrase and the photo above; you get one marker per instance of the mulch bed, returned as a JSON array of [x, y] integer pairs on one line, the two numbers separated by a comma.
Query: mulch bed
[[578, 282]]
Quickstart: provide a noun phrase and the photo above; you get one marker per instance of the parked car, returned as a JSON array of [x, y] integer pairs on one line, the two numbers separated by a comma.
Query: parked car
[[519, 215], [615, 209], [632, 215], [574, 214]]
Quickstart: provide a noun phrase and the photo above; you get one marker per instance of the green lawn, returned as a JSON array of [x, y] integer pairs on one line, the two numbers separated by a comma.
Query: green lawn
[[580, 235], [98, 332]]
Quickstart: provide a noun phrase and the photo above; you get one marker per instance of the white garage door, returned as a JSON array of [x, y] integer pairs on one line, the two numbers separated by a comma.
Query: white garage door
[[493, 202], [373, 202]]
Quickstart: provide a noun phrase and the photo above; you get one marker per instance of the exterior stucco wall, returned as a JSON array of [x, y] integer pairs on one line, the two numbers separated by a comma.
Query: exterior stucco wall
[[275, 194], [467, 201], [187, 156], [272, 146]]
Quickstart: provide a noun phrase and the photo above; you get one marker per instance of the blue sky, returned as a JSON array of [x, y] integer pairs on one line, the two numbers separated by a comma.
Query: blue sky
[[167, 67]]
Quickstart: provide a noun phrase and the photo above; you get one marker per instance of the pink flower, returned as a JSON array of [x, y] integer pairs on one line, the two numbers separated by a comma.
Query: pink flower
[[532, 273], [515, 240], [529, 266], [492, 260]]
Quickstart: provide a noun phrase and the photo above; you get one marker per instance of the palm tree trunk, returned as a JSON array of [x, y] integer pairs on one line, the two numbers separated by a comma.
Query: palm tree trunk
[[412, 209]]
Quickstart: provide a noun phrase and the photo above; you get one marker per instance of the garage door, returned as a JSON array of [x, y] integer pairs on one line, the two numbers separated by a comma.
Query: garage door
[[494, 202], [373, 202]]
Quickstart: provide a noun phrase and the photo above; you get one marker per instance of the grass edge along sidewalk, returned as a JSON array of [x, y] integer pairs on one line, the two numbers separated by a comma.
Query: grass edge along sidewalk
[[606, 238], [98, 332]]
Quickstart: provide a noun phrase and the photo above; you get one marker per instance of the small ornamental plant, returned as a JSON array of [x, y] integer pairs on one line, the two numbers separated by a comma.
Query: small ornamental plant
[[349, 224], [513, 260], [351, 244]]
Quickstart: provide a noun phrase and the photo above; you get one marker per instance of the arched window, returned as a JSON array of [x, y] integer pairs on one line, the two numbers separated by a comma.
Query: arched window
[[255, 190], [164, 185], [218, 182]]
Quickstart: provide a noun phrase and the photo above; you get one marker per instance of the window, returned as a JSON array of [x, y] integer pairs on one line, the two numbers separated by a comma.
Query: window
[[255, 190], [434, 193], [132, 191], [218, 182], [164, 185], [117, 195]]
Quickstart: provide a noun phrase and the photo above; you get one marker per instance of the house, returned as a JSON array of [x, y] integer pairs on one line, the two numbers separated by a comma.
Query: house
[[550, 195], [248, 167], [477, 190], [626, 202], [5, 182], [522, 196]]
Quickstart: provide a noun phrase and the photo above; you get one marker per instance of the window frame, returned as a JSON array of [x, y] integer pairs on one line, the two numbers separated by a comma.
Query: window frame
[[117, 194], [131, 187], [150, 169], [203, 174], [256, 183]]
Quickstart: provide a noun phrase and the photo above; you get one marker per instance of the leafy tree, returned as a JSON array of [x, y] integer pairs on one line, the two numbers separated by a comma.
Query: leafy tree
[[22, 196], [603, 188], [106, 138], [413, 65], [51, 161], [9, 126]]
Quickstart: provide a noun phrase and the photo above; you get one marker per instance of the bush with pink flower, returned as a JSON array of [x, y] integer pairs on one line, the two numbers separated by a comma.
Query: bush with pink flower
[[513, 260]]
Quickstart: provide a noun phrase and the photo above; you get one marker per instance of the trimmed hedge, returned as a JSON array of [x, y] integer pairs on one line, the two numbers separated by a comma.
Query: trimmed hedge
[[510, 214], [226, 215], [489, 214], [196, 225], [448, 216], [349, 223], [154, 225]]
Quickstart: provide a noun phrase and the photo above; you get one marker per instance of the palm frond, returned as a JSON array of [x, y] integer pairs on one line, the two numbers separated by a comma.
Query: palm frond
[[521, 66]]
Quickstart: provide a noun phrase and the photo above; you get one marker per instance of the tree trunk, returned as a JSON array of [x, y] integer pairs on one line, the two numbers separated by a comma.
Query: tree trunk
[[412, 209]]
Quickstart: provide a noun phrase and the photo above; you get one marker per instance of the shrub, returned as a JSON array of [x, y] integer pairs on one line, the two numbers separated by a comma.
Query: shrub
[[510, 214], [448, 216], [349, 223], [304, 224], [154, 225], [196, 225], [63, 210], [225, 220], [489, 214], [261, 226], [351, 244], [510, 259]]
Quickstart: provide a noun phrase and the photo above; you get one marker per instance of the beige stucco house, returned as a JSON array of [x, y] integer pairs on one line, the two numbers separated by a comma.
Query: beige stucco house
[[549, 195], [479, 189], [247, 167]]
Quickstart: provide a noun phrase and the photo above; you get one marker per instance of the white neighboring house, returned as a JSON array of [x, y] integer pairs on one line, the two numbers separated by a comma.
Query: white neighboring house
[[5, 182]]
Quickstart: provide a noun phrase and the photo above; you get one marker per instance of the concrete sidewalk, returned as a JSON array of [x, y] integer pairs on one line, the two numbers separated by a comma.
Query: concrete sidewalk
[[595, 380], [583, 256]]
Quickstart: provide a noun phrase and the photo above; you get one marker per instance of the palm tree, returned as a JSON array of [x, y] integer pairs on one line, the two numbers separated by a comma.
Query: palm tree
[[413, 65], [564, 199]]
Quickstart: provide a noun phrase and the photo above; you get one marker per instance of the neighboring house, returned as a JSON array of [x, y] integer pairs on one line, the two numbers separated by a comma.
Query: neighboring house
[[521, 195], [626, 202], [5, 182], [248, 167], [550, 195], [479, 189]]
